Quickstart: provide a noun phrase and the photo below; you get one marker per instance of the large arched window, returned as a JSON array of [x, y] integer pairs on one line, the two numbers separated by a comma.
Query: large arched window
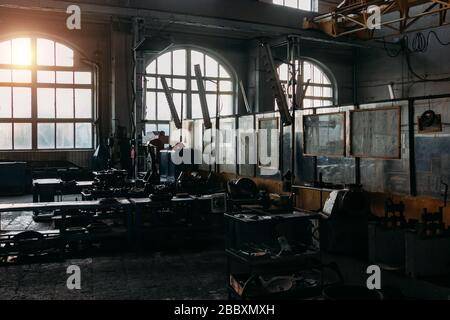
[[178, 67], [46, 96], [321, 91]]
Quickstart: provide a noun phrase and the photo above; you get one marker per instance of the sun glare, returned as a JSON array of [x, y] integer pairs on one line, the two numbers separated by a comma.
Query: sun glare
[[21, 51]]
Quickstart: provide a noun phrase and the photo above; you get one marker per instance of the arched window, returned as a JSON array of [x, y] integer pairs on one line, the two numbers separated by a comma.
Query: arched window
[[178, 67], [321, 91], [46, 96], [307, 5]]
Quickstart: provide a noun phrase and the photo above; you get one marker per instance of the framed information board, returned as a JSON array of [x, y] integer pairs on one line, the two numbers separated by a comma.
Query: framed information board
[[375, 133], [324, 134]]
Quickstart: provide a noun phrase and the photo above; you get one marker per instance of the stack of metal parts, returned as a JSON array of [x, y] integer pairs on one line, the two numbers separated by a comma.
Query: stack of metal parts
[[111, 184]]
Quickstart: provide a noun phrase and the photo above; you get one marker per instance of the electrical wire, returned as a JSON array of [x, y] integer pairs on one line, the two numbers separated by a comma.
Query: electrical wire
[[419, 44]]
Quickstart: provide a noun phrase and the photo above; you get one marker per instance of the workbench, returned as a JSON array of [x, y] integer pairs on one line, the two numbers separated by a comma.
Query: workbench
[[45, 190], [260, 229]]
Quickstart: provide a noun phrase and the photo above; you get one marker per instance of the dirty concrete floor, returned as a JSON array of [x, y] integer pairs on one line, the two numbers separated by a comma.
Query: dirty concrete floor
[[181, 276]]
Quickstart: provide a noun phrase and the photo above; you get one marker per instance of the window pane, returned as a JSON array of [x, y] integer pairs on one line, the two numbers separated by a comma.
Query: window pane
[[21, 76], [290, 3], [5, 76], [83, 103], [178, 103], [5, 52], [45, 52], [83, 78], [179, 62], [196, 107], [5, 102], [22, 136], [179, 84], [212, 102], [223, 73], [64, 135], [83, 137], [278, 2], [212, 67], [46, 76], [194, 86], [327, 92], [226, 105], [226, 86], [64, 103], [283, 72], [317, 91], [305, 5], [165, 64], [307, 103], [151, 83], [163, 107], [46, 135], [211, 86], [21, 102], [197, 58], [21, 51], [151, 69], [46, 103], [317, 75], [5, 136], [64, 77], [64, 56], [307, 72], [151, 106]]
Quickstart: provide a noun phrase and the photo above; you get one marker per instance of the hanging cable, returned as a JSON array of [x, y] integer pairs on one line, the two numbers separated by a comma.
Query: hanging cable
[[419, 44]]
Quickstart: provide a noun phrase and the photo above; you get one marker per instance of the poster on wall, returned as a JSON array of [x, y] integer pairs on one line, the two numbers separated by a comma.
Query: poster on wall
[[375, 133], [324, 135]]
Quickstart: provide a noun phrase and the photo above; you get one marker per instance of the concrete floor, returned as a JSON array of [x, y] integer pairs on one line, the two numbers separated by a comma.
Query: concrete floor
[[181, 276]]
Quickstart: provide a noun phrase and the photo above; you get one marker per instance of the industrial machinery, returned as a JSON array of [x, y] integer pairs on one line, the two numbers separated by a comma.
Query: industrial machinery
[[195, 183], [344, 227], [111, 183], [244, 191]]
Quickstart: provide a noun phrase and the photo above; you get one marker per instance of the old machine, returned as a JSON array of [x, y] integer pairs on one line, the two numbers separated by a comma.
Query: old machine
[[343, 228]]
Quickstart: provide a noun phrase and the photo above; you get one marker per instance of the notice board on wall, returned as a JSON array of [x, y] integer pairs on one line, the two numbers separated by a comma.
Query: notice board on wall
[[324, 134], [375, 133]]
